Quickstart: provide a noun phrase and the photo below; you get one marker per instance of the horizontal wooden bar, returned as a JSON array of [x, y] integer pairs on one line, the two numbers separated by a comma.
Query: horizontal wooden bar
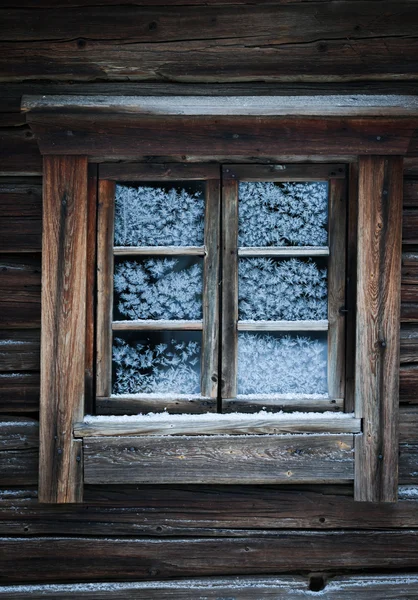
[[260, 106], [116, 136], [144, 403], [254, 403], [62, 558], [218, 424], [282, 325], [219, 459], [284, 172], [355, 587], [157, 325], [159, 172], [159, 250], [284, 251]]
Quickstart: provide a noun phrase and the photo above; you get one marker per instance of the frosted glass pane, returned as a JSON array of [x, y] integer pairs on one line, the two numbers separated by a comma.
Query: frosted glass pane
[[283, 214], [158, 362], [275, 363], [160, 288], [282, 290], [159, 214]]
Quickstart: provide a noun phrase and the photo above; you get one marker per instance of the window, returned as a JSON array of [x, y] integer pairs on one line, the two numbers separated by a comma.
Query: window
[[281, 320]]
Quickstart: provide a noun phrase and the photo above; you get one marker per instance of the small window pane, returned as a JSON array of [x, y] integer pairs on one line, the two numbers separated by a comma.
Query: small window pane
[[157, 362], [283, 214], [282, 290], [277, 363], [158, 288], [170, 214]]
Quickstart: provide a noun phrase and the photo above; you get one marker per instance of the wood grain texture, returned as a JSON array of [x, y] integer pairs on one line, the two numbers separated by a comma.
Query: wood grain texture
[[282, 326], [134, 405], [20, 209], [377, 338], [115, 136], [158, 172], [92, 200], [19, 392], [211, 290], [150, 325], [351, 289], [63, 331], [408, 383], [105, 216], [20, 282], [191, 459], [249, 404], [19, 350], [64, 559], [229, 287], [267, 42], [284, 251], [409, 344]]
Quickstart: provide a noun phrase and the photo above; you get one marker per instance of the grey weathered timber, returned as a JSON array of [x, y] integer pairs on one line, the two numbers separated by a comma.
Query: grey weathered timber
[[149, 325], [354, 587], [19, 392], [283, 325], [254, 403], [20, 283], [173, 404], [19, 443], [377, 339], [110, 136], [408, 424], [215, 425], [63, 559], [19, 350], [229, 287], [105, 216], [409, 343], [158, 172], [90, 359], [159, 250], [258, 106], [210, 296], [64, 250], [337, 232], [284, 251], [18, 433], [20, 209], [219, 459]]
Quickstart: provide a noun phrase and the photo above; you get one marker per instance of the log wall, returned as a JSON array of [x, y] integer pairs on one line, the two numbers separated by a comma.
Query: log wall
[[303, 537]]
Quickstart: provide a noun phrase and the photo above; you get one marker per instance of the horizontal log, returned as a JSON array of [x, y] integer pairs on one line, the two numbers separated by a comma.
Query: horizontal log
[[19, 350], [409, 312], [159, 250], [116, 405], [255, 403], [21, 199], [18, 433], [408, 376], [409, 344], [410, 226], [355, 587], [117, 135], [408, 425], [20, 282], [19, 392], [20, 234], [149, 325], [19, 152], [19, 467], [74, 559], [217, 424], [282, 325], [219, 459], [408, 460], [410, 193]]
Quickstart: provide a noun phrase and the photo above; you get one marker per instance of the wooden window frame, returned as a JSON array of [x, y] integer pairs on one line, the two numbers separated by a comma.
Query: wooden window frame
[[69, 138]]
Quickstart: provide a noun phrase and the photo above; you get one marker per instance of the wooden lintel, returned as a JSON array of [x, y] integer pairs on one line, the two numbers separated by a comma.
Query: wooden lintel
[[378, 313], [64, 269], [117, 135]]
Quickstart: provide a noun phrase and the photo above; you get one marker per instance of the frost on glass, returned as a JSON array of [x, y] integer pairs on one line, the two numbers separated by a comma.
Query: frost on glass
[[166, 288], [276, 290], [282, 364], [159, 215], [283, 214], [163, 362]]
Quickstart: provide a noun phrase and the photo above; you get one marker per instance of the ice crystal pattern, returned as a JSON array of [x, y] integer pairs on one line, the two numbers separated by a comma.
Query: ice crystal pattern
[[152, 289], [153, 216], [171, 368], [283, 214], [289, 290], [280, 365]]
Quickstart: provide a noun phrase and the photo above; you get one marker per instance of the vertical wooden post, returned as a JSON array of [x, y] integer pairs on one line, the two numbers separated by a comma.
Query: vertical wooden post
[[64, 258], [377, 330]]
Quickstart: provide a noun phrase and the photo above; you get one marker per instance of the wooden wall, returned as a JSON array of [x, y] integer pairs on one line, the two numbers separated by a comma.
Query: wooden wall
[[303, 537]]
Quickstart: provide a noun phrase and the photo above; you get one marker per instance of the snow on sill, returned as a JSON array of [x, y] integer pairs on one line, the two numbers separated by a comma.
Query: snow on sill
[[211, 417]]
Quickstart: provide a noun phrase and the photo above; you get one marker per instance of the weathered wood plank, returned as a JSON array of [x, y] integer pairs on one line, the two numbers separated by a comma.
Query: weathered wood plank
[[149, 325], [409, 344], [20, 282], [408, 383], [64, 263], [284, 251], [19, 467], [283, 325], [377, 337], [110, 136], [17, 433], [19, 350], [211, 292], [218, 424], [256, 106], [410, 226], [408, 472], [217, 459], [158, 172], [408, 425], [90, 357], [351, 289], [105, 216], [61, 559], [175, 404], [19, 152], [19, 392], [410, 193], [255, 403], [229, 287], [159, 250], [360, 587]]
